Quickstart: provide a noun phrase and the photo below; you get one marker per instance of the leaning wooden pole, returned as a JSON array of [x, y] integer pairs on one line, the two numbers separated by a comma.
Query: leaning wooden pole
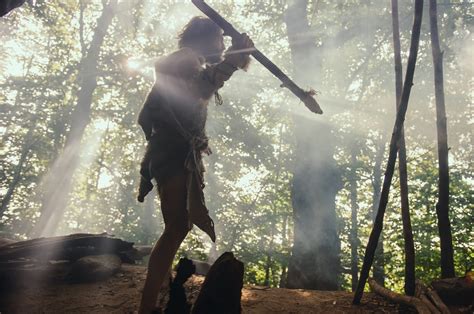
[[378, 223], [442, 208], [402, 162]]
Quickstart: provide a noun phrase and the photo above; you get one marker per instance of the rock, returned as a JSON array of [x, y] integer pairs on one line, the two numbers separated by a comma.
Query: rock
[[222, 289], [94, 268]]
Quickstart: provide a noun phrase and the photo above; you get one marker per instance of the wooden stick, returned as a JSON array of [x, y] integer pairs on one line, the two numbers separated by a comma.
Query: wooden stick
[[229, 30], [399, 298], [424, 298], [378, 223], [434, 297]]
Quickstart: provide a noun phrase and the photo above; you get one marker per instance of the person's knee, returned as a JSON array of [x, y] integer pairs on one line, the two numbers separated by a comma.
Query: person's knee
[[177, 230]]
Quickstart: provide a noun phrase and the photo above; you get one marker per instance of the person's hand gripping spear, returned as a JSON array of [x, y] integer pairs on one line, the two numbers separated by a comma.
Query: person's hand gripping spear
[[305, 96]]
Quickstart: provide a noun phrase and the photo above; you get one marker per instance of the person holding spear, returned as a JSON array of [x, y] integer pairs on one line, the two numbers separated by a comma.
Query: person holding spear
[[173, 119]]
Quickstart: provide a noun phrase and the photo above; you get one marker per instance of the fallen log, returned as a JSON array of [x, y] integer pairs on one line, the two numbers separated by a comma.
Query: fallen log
[[455, 291], [6, 241], [430, 298], [222, 288], [70, 247], [76, 257], [399, 298], [429, 305], [24, 274]]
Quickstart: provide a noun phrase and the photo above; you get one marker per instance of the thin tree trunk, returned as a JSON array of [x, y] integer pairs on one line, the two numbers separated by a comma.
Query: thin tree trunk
[[268, 265], [17, 172], [379, 262], [284, 265], [60, 176], [354, 239], [378, 224], [402, 163], [315, 261], [24, 151], [442, 208]]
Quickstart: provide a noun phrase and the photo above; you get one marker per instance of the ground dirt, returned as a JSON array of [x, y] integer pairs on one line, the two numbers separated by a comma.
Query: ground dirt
[[120, 294]]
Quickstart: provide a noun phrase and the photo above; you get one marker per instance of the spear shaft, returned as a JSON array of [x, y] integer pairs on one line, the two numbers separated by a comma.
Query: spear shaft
[[229, 30]]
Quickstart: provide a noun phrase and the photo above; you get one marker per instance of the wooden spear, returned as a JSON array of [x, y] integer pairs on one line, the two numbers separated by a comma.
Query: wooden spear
[[305, 96]]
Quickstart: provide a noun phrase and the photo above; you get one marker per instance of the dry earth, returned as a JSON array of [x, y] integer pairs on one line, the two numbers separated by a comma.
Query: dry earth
[[120, 294]]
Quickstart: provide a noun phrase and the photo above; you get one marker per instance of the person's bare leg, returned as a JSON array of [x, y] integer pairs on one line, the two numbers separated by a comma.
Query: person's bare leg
[[173, 204]]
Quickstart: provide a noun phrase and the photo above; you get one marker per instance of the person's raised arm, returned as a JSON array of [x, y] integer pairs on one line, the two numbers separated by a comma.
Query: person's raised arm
[[236, 57]]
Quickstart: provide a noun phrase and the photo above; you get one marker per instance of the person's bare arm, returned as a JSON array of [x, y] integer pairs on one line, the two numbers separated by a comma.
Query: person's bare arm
[[213, 77]]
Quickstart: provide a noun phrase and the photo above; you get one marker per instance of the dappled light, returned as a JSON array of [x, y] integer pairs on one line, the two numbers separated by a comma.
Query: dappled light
[[301, 146]]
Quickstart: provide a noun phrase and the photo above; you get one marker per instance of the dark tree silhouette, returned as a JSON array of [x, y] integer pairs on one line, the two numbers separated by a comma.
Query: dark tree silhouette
[[402, 162], [442, 208], [378, 224]]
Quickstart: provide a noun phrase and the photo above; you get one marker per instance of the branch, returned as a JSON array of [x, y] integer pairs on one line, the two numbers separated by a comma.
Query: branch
[[399, 298]]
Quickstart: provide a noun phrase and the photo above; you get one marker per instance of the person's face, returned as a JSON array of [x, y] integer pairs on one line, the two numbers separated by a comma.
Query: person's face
[[213, 49]]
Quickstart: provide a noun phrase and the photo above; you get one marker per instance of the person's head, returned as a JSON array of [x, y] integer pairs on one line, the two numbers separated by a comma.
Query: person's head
[[204, 36]]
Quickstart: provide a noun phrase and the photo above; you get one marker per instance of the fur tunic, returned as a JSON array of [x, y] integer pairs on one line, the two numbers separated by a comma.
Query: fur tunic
[[173, 119]]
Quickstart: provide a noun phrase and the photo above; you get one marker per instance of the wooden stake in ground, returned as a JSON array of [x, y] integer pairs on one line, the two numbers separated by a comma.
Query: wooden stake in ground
[[442, 208], [378, 223], [402, 162]]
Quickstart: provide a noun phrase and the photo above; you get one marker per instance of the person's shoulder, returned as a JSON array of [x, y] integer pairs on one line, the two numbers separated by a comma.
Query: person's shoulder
[[184, 61], [186, 53]]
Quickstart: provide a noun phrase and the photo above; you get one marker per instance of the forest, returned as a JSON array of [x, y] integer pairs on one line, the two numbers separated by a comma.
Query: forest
[[293, 195]]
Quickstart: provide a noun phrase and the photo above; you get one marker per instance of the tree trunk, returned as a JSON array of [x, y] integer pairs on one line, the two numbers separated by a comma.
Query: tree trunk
[[402, 163], [442, 208], [314, 263], [284, 266], [378, 224], [59, 182], [17, 172], [379, 263], [25, 150], [354, 239], [270, 250]]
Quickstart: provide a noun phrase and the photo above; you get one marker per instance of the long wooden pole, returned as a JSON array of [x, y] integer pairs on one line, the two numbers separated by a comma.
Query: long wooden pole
[[378, 223], [229, 30], [402, 162]]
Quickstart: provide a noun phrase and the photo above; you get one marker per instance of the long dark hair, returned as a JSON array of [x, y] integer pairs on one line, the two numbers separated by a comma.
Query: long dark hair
[[199, 28]]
